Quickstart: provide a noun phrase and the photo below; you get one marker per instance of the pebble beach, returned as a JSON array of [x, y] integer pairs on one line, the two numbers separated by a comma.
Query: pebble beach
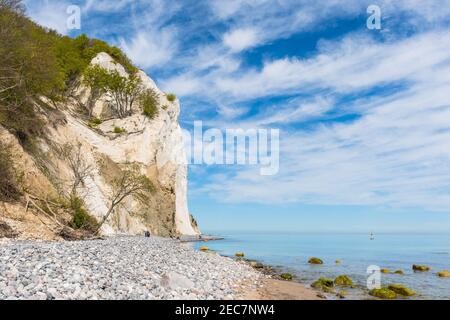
[[120, 268]]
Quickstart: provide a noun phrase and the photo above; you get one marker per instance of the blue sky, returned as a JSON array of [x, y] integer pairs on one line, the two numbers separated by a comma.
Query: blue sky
[[364, 114]]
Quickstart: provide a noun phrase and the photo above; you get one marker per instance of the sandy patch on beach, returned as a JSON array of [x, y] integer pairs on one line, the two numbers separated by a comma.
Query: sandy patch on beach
[[272, 289]]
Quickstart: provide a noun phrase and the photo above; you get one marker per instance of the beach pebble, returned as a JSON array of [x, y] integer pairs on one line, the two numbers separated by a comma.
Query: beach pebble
[[121, 267]]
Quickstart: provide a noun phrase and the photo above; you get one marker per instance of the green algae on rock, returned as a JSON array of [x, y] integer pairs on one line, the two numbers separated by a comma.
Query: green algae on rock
[[401, 290], [421, 268], [383, 293], [343, 280], [384, 270], [399, 272], [323, 284], [342, 294], [240, 254], [286, 276], [315, 260], [443, 274]]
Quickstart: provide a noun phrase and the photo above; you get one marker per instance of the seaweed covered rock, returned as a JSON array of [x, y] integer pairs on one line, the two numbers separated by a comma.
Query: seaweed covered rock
[[323, 284], [286, 276], [342, 294], [343, 280], [443, 274], [240, 254], [315, 260], [338, 261], [383, 293], [384, 270], [204, 249], [401, 290], [256, 264], [420, 268], [399, 272]]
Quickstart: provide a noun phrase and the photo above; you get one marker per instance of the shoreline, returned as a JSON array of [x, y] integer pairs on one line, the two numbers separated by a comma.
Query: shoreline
[[271, 286], [279, 290], [133, 268]]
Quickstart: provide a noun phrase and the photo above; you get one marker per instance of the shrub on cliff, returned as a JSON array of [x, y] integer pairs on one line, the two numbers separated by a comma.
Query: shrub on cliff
[[124, 91], [149, 102], [81, 218], [8, 180], [119, 130], [171, 97]]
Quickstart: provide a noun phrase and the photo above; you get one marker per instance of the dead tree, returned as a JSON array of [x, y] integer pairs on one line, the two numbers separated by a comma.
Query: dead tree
[[78, 165]]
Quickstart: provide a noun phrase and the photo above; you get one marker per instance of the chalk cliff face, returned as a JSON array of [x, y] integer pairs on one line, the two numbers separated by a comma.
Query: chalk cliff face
[[154, 145]]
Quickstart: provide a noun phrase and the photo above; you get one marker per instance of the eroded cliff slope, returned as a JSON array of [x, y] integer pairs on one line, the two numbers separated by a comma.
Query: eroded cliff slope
[[104, 149]]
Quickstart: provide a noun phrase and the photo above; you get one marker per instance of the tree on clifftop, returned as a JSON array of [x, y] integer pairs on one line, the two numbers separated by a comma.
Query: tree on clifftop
[[124, 91]]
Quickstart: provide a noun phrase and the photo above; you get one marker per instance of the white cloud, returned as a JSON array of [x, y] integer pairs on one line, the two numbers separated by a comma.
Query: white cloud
[[397, 153], [151, 48], [106, 5], [241, 39], [352, 64], [50, 14], [182, 85]]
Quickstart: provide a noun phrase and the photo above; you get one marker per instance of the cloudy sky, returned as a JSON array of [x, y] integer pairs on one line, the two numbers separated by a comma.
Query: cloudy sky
[[364, 115]]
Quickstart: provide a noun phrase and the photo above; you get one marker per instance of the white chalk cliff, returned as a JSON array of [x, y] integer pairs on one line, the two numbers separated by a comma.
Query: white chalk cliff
[[154, 145]]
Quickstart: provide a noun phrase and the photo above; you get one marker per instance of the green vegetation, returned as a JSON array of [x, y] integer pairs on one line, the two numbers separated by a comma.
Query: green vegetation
[[9, 190], [384, 270], [239, 254], [93, 123], [149, 102], [343, 281], [401, 290], [443, 274], [399, 272], [81, 218], [286, 276], [315, 261], [420, 268], [383, 293], [324, 284], [171, 97], [37, 62], [124, 90], [119, 130]]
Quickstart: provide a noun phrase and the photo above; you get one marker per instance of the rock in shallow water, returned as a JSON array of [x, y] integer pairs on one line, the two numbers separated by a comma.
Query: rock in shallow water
[[383, 293], [401, 290]]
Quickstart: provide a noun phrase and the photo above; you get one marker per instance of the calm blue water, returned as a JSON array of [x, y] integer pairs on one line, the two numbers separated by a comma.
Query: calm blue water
[[291, 251]]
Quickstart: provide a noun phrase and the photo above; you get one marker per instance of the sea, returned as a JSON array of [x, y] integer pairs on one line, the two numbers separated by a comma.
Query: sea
[[290, 252]]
